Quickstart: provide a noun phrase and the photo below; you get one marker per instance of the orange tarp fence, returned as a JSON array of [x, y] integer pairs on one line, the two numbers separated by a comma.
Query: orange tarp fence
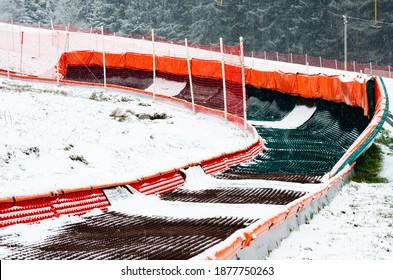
[[332, 88]]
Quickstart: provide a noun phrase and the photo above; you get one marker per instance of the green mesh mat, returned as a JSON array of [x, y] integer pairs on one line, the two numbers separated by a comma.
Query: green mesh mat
[[313, 148], [268, 105]]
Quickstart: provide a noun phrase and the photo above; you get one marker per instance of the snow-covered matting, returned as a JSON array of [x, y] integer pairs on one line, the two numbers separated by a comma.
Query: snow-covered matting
[[166, 87], [298, 116]]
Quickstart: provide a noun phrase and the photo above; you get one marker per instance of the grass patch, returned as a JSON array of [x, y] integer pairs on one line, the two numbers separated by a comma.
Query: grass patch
[[385, 139], [369, 165], [79, 158]]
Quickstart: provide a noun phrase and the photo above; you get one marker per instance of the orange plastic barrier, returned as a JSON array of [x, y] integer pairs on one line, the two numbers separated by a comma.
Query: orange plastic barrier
[[332, 88], [171, 65], [244, 238], [36, 208]]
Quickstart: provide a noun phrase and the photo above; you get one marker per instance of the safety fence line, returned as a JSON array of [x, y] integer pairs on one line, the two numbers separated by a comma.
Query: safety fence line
[[366, 138], [243, 238], [19, 209], [336, 88], [88, 37], [318, 61], [353, 92]]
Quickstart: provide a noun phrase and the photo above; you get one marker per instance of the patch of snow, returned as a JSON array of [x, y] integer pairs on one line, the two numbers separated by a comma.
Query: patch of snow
[[197, 179], [298, 116], [166, 87]]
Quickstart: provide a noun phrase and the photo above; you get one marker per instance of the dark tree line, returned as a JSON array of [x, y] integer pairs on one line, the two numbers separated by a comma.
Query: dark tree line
[[287, 26]]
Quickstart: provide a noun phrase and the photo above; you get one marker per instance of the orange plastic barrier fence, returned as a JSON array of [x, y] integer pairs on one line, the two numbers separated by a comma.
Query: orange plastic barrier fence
[[332, 88], [36, 208], [228, 249]]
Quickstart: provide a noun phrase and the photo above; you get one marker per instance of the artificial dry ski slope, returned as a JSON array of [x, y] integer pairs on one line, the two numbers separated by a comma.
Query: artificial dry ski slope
[[229, 215]]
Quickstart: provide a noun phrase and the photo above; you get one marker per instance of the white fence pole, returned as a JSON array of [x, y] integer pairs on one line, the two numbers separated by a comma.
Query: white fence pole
[[306, 58], [190, 77], [103, 55], [113, 41], [67, 42], [243, 84], [277, 56], [21, 49], [291, 58], [53, 32], [91, 30], [354, 66], [57, 58], [223, 79], [13, 37], [8, 51], [320, 62], [336, 63], [154, 64], [39, 39], [345, 41]]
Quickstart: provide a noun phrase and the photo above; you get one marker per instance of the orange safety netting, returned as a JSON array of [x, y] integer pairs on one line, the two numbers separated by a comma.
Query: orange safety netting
[[332, 88]]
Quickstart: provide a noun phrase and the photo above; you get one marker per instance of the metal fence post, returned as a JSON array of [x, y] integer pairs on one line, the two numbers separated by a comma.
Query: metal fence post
[[223, 79], [8, 51], [190, 77], [154, 64], [103, 55], [243, 84]]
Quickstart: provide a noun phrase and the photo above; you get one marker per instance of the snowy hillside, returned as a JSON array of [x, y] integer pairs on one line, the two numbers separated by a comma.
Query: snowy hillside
[[71, 137]]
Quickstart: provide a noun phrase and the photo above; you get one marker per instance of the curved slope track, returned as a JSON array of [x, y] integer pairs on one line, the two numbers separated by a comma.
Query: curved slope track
[[207, 210], [223, 210]]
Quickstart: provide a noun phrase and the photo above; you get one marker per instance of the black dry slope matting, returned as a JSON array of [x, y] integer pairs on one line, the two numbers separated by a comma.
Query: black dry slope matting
[[308, 152], [117, 236], [234, 196]]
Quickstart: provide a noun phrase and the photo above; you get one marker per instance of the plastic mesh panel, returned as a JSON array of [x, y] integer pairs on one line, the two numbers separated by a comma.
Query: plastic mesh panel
[[235, 196], [115, 235], [310, 150], [267, 105]]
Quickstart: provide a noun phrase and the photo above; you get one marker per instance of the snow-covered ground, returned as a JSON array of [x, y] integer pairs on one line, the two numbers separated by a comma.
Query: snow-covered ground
[[357, 224], [70, 137]]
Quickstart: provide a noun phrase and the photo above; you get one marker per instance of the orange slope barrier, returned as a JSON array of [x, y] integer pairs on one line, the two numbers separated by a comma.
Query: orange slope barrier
[[230, 247], [245, 237], [365, 139], [36, 208], [332, 88]]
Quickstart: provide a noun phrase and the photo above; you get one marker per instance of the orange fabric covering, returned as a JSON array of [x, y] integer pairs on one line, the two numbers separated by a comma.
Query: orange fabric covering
[[333, 88], [206, 69], [171, 65], [233, 73], [138, 61]]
